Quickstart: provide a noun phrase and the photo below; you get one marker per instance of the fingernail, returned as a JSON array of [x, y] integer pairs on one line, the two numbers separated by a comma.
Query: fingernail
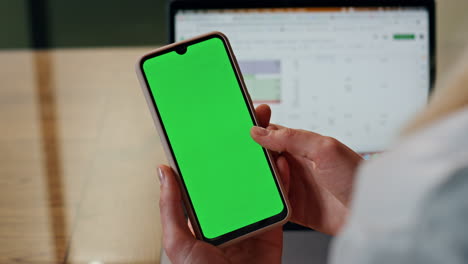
[[260, 131], [161, 175]]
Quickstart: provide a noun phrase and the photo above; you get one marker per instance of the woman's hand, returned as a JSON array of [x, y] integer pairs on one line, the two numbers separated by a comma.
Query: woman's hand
[[182, 247], [321, 174]]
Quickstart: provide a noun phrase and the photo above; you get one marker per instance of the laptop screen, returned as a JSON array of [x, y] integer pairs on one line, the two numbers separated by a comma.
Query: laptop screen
[[356, 74]]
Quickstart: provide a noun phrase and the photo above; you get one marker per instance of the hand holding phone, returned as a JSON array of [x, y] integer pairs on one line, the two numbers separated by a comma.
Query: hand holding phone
[[178, 239], [229, 183]]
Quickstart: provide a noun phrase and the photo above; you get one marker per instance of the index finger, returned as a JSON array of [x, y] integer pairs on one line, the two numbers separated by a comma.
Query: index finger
[[295, 141]]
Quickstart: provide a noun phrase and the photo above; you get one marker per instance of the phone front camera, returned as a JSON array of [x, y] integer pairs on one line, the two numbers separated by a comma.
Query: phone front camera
[[181, 50]]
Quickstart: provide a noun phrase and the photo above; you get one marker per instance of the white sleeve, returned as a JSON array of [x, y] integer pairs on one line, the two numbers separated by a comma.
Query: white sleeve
[[438, 232]]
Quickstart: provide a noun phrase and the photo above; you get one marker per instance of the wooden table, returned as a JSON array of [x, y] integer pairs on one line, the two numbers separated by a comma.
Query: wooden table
[[78, 156], [78, 152]]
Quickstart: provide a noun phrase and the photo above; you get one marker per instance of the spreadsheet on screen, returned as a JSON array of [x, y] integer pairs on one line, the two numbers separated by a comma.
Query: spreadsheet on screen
[[356, 74]]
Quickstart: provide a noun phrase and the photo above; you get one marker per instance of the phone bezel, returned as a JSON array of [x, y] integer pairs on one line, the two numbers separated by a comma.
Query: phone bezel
[[243, 232]]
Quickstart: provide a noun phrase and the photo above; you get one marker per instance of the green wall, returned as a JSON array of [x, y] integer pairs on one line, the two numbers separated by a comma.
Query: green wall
[[87, 23], [14, 28]]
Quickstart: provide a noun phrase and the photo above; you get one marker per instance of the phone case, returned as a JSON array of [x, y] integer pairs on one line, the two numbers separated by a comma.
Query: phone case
[[165, 142]]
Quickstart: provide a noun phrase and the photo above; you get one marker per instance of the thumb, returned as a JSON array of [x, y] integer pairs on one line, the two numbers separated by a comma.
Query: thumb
[[177, 238], [179, 243], [295, 141]]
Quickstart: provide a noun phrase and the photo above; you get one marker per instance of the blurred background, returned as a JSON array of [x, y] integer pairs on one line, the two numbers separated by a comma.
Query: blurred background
[[78, 149], [57, 24], [82, 24]]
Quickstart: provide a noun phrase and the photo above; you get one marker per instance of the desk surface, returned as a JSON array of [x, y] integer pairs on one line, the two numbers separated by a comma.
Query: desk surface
[[78, 152], [78, 159]]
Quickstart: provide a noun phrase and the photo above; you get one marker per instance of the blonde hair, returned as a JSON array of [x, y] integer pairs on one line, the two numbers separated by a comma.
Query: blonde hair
[[450, 95]]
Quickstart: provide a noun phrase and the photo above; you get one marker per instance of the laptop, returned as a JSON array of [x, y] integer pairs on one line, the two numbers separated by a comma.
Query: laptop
[[353, 70]]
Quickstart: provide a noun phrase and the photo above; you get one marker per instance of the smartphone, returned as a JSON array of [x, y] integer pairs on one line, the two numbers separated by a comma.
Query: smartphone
[[204, 114]]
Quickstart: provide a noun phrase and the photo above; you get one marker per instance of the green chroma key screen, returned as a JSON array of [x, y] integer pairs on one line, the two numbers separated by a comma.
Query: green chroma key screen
[[207, 121]]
